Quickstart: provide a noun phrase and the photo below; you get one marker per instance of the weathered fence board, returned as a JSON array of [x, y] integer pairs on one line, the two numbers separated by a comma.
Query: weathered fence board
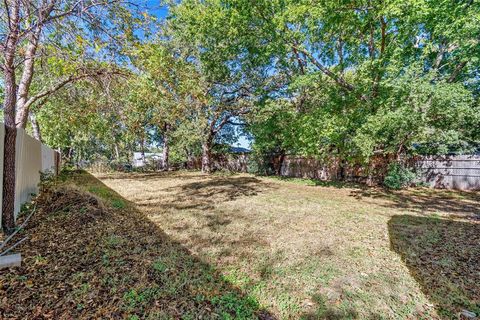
[[31, 158], [447, 172], [450, 172], [311, 168]]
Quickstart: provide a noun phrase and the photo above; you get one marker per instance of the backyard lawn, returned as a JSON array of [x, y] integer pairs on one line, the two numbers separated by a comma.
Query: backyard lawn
[[184, 244]]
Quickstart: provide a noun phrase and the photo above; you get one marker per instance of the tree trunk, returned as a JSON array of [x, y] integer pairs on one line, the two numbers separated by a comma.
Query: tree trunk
[[22, 104], [22, 111], [117, 152], [35, 127], [189, 162], [342, 176], [8, 202], [143, 151], [70, 154], [280, 163], [166, 147], [166, 153], [207, 155]]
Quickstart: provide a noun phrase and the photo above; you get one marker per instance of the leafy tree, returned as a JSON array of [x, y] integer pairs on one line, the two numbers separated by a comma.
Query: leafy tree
[[365, 77], [211, 39], [56, 29], [93, 127]]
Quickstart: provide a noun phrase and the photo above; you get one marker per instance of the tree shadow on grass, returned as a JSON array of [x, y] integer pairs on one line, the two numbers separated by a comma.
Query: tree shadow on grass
[[211, 191], [91, 259], [461, 204], [197, 205], [149, 176], [321, 183], [444, 258]]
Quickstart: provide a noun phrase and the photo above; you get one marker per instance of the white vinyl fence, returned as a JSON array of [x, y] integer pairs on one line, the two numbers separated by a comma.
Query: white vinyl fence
[[31, 158]]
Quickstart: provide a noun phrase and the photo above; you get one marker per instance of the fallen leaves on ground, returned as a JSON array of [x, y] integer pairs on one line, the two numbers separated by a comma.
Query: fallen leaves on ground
[[444, 257], [92, 258]]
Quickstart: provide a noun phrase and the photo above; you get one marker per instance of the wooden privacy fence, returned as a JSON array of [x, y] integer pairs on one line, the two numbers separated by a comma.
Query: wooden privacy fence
[[332, 170], [450, 172], [311, 168], [442, 172], [31, 158], [235, 162]]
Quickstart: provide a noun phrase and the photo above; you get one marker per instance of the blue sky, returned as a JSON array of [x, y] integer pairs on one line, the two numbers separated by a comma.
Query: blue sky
[[155, 8]]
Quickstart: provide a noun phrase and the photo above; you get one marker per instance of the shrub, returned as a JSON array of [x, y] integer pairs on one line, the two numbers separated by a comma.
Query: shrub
[[398, 177]]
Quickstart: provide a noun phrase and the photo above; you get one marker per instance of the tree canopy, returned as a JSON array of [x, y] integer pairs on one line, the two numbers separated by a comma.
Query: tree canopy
[[342, 81]]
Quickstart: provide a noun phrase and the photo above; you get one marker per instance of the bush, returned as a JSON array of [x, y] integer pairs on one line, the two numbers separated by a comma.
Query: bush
[[399, 177]]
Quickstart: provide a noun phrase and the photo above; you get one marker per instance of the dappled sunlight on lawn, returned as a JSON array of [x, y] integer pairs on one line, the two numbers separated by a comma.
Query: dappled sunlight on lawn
[[443, 256], [303, 250]]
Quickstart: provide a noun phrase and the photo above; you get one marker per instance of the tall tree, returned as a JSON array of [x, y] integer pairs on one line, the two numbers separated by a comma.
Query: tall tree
[[209, 37], [27, 28], [9, 53], [359, 69]]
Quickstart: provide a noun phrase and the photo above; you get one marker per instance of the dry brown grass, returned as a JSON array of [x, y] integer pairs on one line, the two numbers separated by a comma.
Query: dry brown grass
[[312, 250]]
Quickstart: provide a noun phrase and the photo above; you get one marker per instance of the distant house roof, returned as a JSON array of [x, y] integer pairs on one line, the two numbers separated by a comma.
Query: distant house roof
[[148, 155], [239, 150]]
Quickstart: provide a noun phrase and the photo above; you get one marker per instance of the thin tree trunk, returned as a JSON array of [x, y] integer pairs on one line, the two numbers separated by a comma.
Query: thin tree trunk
[[143, 150], [189, 162], [166, 150], [25, 82], [117, 152], [70, 154], [342, 170], [35, 127], [280, 163], [22, 105]]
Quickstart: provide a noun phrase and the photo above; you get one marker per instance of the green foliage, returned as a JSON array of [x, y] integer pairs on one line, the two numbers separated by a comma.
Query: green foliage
[[258, 163], [337, 81], [389, 79], [398, 176]]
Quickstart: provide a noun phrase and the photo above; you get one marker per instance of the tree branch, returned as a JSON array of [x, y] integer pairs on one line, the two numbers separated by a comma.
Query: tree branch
[[339, 80], [66, 81], [457, 71]]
